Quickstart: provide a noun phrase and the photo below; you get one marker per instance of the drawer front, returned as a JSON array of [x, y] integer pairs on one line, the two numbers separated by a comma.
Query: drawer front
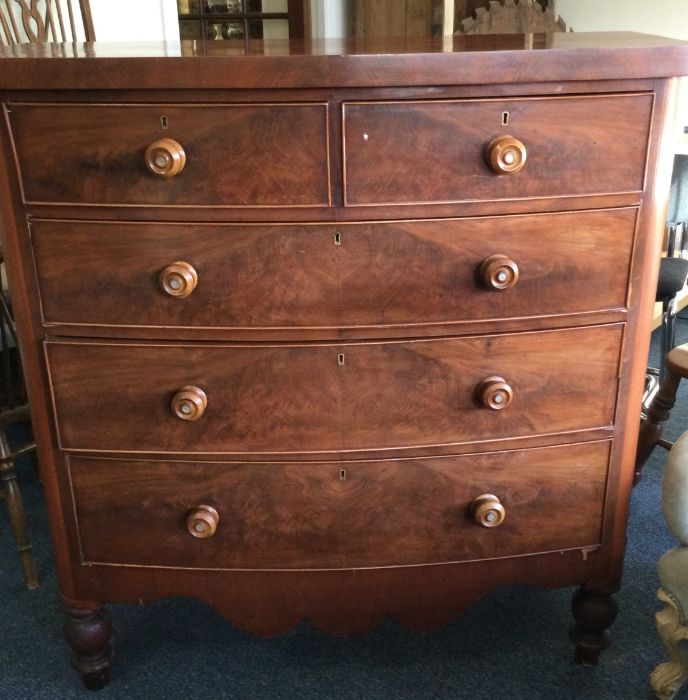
[[339, 515], [331, 397], [236, 155], [404, 152], [382, 274]]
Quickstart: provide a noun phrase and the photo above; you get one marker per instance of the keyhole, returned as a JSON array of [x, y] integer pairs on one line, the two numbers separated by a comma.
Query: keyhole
[[163, 122], [505, 118], [342, 474], [337, 238], [340, 359]]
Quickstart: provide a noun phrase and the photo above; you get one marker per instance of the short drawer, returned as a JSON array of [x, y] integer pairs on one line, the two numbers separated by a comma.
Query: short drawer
[[406, 273], [235, 155], [439, 151], [337, 515], [294, 398]]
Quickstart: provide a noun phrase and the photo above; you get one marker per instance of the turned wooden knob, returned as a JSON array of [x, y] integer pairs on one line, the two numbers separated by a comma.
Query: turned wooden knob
[[165, 158], [506, 155], [488, 511], [499, 272], [178, 279], [189, 403], [202, 521], [495, 393]]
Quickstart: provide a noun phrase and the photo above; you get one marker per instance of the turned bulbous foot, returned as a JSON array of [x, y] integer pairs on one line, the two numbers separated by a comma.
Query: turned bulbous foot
[[88, 632], [594, 613]]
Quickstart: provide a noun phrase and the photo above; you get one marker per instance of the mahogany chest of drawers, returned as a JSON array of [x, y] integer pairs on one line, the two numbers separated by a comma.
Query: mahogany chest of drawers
[[336, 332]]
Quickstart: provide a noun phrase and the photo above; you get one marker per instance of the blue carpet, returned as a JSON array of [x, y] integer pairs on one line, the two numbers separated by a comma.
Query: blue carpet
[[512, 643]]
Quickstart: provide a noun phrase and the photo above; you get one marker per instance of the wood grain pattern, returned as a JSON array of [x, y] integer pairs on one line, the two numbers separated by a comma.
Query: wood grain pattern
[[334, 397], [337, 63], [435, 151], [339, 515], [344, 602], [238, 155], [296, 277], [392, 412]]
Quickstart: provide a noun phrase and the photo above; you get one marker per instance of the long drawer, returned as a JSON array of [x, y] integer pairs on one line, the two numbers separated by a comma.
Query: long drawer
[[439, 151], [235, 155], [347, 275], [331, 397], [337, 515]]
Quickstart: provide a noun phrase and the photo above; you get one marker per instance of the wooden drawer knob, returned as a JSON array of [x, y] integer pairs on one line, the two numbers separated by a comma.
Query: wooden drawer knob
[[202, 521], [506, 155], [495, 393], [165, 158], [488, 511], [189, 403], [178, 279], [499, 272]]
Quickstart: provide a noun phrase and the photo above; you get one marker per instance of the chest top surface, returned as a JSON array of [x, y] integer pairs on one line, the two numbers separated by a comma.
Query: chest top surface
[[467, 60]]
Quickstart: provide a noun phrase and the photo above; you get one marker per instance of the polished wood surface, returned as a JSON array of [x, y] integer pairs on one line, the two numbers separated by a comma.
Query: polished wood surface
[[573, 146], [98, 154], [338, 515], [267, 277], [334, 397], [336, 63], [339, 321]]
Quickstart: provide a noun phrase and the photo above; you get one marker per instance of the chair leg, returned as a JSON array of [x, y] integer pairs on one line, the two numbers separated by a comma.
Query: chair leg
[[651, 428], [15, 508]]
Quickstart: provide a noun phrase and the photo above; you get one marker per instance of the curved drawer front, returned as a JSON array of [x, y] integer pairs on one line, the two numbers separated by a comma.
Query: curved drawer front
[[339, 515], [309, 276], [235, 155], [405, 152], [331, 397]]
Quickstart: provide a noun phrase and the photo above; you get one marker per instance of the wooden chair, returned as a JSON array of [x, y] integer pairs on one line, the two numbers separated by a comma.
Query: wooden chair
[[37, 21], [27, 21], [13, 410], [511, 17]]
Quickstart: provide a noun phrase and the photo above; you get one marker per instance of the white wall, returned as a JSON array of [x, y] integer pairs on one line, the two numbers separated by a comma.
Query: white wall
[[663, 17], [329, 19], [135, 20]]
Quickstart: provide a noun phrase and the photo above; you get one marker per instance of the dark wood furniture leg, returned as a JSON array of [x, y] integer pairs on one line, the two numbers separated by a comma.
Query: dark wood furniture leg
[[651, 428], [88, 631], [15, 509], [594, 613]]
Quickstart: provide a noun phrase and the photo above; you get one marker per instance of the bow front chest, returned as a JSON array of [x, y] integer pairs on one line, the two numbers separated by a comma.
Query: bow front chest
[[336, 331]]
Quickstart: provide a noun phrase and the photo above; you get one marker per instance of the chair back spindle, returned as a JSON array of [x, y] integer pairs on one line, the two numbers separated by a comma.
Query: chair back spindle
[[37, 21]]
